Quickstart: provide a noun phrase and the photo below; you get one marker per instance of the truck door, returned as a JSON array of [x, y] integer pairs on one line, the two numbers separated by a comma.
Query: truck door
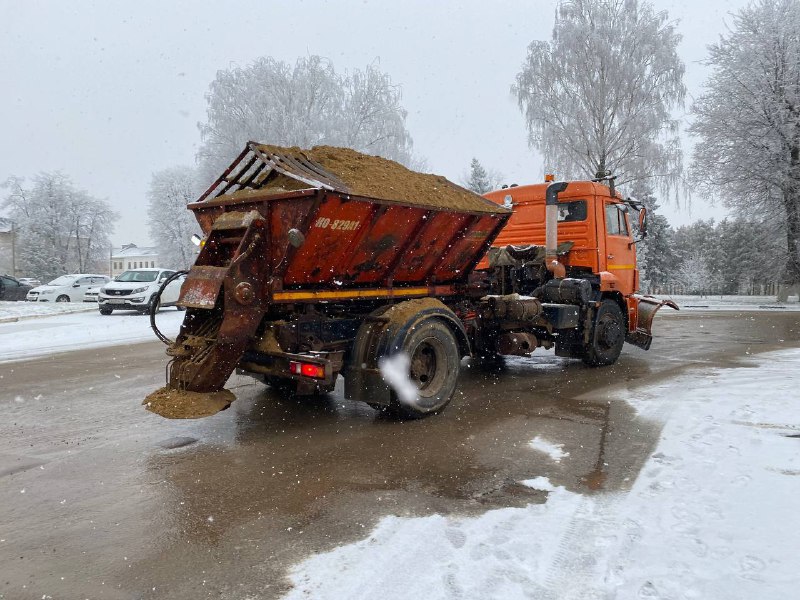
[[620, 254]]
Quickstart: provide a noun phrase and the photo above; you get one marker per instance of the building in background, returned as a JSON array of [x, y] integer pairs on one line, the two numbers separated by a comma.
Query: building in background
[[7, 247], [131, 256]]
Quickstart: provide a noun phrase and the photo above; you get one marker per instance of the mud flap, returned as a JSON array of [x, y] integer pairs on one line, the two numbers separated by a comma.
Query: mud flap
[[647, 307]]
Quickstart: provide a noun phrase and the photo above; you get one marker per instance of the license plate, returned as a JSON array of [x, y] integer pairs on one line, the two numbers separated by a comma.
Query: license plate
[[116, 301]]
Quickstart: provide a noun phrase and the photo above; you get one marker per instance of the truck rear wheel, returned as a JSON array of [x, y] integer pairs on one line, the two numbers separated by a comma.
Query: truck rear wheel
[[434, 359], [608, 336]]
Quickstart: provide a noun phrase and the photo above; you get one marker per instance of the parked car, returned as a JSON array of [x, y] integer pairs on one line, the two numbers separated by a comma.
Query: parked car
[[12, 289], [31, 281], [67, 288], [92, 293], [134, 290]]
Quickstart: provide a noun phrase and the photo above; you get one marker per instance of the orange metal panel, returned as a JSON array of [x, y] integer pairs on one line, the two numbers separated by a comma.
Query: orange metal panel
[[354, 242], [464, 248], [382, 243], [327, 240], [527, 223], [427, 251]]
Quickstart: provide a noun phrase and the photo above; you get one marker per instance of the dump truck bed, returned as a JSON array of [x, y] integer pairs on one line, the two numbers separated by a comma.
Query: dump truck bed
[[413, 235]]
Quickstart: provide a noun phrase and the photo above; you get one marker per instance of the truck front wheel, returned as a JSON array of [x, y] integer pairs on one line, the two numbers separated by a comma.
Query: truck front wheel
[[608, 336], [434, 361]]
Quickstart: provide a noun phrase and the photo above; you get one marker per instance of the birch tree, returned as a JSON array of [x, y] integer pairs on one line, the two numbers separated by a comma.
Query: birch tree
[[304, 104], [748, 122], [598, 97], [61, 229], [171, 223]]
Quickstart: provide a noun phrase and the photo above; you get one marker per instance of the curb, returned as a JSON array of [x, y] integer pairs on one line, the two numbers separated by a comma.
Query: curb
[[56, 314]]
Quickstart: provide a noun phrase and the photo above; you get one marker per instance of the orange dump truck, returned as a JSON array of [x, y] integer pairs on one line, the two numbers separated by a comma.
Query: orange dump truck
[[325, 262]]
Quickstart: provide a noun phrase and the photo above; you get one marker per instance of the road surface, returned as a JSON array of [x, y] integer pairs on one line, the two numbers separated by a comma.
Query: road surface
[[101, 499]]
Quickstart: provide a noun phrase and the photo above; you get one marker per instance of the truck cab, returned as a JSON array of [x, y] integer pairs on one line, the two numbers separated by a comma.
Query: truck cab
[[595, 221], [591, 235]]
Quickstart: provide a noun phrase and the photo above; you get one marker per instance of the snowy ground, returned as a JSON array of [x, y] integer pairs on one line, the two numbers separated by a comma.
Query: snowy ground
[[713, 513], [733, 303], [60, 332], [10, 311]]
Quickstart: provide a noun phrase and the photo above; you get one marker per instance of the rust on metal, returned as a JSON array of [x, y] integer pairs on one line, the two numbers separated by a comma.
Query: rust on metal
[[646, 309]]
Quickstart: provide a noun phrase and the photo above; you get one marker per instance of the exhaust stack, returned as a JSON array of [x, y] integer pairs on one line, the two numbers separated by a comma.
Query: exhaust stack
[[551, 229]]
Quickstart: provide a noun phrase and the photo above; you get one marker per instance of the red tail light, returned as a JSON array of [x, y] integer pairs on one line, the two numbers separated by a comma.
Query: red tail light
[[307, 369]]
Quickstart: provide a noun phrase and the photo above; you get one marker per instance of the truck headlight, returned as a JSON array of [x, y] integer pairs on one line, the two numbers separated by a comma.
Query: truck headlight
[[139, 290]]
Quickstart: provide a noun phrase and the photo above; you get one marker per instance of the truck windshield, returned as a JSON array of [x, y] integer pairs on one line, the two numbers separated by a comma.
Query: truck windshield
[[572, 211], [138, 276]]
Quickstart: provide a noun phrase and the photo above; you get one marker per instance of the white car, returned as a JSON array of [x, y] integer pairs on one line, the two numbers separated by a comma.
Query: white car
[[134, 290], [67, 288]]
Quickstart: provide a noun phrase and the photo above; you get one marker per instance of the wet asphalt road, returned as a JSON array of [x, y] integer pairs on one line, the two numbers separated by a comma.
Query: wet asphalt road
[[101, 499]]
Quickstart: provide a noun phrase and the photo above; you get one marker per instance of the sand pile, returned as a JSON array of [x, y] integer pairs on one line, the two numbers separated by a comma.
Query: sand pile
[[377, 177], [180, 404]]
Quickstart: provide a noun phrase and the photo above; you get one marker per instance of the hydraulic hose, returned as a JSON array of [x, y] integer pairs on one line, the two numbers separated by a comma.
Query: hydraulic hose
[[155, 301]]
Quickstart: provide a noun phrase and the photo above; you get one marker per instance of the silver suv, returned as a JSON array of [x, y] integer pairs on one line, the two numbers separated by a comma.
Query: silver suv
[[134, 290]]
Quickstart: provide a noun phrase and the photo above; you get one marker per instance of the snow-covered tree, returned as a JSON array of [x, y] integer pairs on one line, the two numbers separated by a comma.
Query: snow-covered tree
[[481, 180], [697, 250], [748, 121], [695, 274], [61, 229], [304, 105], [744, 246], [171, 223], [655, 253], [598, 97]]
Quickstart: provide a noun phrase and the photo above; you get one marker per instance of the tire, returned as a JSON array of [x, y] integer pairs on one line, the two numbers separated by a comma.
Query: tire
[[608, 336], [105, 310], [434, 365], [63, 298]]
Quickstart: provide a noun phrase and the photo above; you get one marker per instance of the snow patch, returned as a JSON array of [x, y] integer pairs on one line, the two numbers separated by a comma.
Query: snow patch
[[540, 483], [554, 451], [79, 331], [712, 514]]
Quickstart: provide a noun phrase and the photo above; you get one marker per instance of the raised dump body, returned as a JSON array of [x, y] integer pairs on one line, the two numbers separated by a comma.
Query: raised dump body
[[289, 226]]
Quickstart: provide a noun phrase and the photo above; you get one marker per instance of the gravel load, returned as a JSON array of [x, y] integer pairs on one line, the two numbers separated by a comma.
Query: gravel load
[[380, 178]]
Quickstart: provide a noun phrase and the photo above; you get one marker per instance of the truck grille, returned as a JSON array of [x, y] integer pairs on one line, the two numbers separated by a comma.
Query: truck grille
[[118, 292]]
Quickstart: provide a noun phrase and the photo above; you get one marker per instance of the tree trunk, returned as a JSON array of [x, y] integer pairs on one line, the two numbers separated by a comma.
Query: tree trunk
[[791, 201], [792, 275]]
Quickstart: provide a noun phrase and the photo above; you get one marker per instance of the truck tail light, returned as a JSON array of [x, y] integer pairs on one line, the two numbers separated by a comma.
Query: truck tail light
[[307, 369]]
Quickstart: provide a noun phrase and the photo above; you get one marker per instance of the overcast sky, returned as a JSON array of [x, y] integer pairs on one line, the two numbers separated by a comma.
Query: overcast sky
[[109, 92]]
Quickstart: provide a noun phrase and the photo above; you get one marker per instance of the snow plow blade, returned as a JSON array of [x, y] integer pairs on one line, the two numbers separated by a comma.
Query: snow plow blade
[[646, 309]]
